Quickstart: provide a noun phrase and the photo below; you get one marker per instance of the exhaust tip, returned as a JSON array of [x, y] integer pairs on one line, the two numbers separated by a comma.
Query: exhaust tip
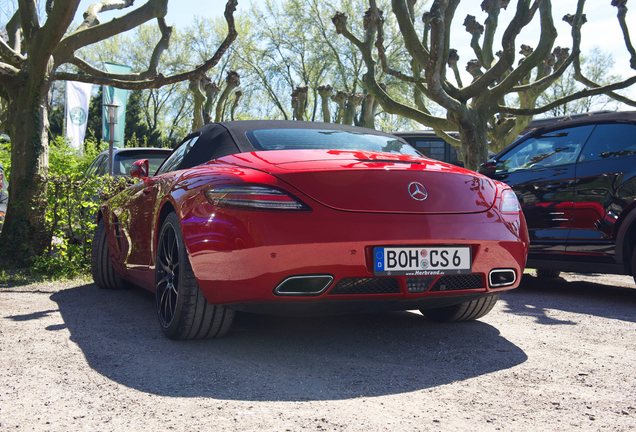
[[306, 285], [502, 277]]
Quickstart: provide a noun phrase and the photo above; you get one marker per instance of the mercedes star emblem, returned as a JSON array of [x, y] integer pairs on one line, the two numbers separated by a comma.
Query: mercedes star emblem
[[417, 191]]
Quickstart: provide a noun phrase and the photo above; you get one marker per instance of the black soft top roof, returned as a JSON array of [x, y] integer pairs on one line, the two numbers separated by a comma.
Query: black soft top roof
[[226, 138]]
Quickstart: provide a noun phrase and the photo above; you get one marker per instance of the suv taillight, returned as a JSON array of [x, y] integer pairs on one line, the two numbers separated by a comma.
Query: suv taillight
[[509, 202]]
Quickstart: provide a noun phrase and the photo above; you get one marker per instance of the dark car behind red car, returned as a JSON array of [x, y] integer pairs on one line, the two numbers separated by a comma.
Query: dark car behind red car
[[576, 182]]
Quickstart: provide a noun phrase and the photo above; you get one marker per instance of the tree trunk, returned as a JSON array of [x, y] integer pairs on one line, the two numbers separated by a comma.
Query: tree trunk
[[367, 112], [24, 233], [473, 132]]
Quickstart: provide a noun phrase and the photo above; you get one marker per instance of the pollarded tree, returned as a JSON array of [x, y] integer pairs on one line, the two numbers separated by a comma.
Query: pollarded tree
[[596, 66], [480, 110], [37, 53]]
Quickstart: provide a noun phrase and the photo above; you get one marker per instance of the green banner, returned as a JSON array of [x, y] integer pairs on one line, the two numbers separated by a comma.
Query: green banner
[[117, 96]]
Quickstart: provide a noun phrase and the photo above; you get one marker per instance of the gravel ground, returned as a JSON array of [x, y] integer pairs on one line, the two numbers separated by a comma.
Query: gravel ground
[[554, 354]]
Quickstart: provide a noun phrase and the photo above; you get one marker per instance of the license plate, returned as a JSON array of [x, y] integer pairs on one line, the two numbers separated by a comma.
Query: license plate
[[421, 261]]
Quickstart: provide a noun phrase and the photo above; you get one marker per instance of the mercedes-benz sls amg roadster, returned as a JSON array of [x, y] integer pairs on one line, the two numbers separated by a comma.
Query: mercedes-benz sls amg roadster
[[302, 218]]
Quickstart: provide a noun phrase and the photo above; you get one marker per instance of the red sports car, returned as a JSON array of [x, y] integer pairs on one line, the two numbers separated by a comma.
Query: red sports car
[[304, 218]]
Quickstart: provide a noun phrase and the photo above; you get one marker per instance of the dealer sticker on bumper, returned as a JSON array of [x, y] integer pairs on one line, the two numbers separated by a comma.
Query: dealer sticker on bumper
[[421, 261]]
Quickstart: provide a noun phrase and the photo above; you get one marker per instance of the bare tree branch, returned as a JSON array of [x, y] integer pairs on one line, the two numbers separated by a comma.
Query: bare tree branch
[[231, 82], [476, 29], [417, 50], [574, 96], [436, 66], [95, 72], [548, 36], [453, 58], [379, 44], [266, 84], [523, 16], [237, 97], [161, 46], [576, 35], [14, 32], [622, 13], [91, 18], [7, 71], [449, 15], [548, 79], [10, 56], [390, 106], [122, 81], [80, 38], [53, 30], [492, 8], [29, 21]]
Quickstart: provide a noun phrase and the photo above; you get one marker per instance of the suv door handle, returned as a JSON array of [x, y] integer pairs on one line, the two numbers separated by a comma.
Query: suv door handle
[[561, 185]]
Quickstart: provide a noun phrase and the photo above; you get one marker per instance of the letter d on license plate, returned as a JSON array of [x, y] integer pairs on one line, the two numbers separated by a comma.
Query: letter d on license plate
[[421, 261]]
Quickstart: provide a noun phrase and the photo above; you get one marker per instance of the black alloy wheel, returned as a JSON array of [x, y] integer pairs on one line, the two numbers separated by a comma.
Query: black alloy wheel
[[183, 311], [167, 276]]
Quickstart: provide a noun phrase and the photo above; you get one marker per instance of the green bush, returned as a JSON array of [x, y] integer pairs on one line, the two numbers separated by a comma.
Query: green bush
[[73, 201], [71, 208], [71, 221]]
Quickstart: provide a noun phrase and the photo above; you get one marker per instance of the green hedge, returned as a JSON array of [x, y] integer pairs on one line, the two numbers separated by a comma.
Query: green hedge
[[71, 209]]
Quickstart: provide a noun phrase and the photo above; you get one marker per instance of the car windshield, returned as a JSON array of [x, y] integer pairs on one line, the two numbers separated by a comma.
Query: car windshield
[[124, 161], [312, 139]]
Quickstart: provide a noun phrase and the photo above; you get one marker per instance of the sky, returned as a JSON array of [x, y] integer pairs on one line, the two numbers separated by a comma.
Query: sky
[[602, 28]]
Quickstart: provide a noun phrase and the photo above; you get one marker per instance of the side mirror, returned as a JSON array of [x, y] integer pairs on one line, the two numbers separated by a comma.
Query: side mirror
[[140, 169], [488, 168]]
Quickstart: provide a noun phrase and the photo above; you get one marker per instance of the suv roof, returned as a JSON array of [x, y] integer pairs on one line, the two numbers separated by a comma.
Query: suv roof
[[590, 118]]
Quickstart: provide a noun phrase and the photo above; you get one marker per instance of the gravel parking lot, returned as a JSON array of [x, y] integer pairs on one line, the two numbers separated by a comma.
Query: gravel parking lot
[[553, 355]]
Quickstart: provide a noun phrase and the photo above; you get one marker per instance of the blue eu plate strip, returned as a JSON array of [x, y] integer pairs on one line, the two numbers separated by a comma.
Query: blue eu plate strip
[[379, 259]]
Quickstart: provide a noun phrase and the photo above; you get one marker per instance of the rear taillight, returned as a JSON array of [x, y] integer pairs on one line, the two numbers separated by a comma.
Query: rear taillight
[[251, 197], [509, 202]]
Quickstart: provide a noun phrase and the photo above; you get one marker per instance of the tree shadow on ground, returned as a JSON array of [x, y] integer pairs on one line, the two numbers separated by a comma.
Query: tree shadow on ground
[[581, 294], [278, 358]]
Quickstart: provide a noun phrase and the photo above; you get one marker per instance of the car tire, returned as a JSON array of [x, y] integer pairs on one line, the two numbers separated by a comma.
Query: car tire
[[466, 311], [183, 311], [545, 273], [102, 269]]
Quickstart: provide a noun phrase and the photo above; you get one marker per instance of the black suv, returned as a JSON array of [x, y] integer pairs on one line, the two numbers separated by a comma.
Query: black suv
[[576, 182]]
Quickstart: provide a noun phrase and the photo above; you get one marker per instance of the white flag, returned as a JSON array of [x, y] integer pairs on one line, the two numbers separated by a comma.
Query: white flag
[[78, 96]]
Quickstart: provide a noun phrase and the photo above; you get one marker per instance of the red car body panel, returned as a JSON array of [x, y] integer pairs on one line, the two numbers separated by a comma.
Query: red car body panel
[[236, 260], [357, 182], [358, 201]]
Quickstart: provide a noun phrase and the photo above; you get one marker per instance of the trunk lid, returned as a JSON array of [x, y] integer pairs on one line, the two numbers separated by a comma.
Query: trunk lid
[[376, 182]]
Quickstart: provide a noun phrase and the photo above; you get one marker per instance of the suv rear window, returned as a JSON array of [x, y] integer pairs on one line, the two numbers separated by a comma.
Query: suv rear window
[[610, 141]]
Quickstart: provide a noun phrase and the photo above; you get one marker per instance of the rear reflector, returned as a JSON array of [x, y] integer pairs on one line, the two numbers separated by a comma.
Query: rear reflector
[[307, 285]]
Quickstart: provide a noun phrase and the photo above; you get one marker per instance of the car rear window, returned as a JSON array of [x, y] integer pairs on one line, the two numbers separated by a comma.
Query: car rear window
[[313, 139], [125, 160]]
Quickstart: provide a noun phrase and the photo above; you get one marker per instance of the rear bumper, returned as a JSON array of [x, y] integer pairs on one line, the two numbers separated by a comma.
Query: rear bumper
[[240, 257]]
